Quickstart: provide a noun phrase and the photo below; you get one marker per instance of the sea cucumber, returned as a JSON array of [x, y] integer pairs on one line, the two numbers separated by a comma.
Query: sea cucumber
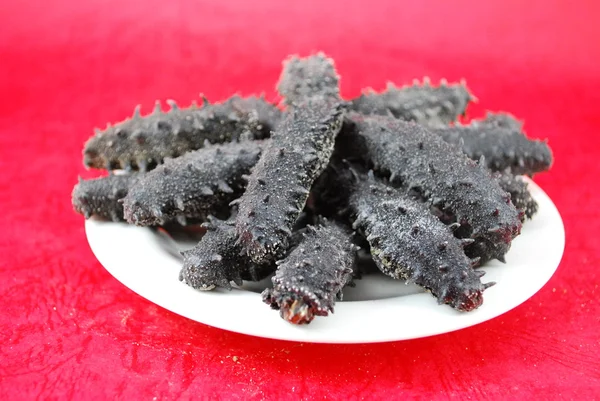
[[192, 186], [423, 103], [268, 115], [501, 144], [422, 162], [143, 142], [217, 260], [406, 240], [310, 278], [303, 77], [280, 182], [519, 194], [100, 196]]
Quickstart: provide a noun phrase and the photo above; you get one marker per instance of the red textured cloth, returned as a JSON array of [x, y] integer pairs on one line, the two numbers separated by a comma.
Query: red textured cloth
[[70, 330]]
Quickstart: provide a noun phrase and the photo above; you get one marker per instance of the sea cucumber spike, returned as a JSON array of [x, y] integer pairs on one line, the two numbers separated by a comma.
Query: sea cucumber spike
[[157, 110], [172, 104], [466, 242], [191, 187], [206, 191], [480, 273], [287, 180], [179, 203], [224, 187], [454, 226], [101, 196], [323, 262], [476, 261], [137, 111], [488, 285]]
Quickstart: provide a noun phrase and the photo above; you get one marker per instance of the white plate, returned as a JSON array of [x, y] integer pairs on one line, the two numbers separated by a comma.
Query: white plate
[[147, 261]]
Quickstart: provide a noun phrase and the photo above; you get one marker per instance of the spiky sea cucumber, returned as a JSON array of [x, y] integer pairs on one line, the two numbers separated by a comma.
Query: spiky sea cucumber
[[500, 143], [269, 116], [217, 260], [192, 186], [500, 119], [423, 103], [280, 182], [143, 142], [310, 278], [100, 196], [406, 241], [519, 193], [421, 161], [303, 77]]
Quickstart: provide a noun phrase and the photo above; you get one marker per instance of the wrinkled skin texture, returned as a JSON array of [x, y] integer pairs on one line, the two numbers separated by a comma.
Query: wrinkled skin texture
[[423, 103], [279, 185], [217, 260], [193, 186], [309, 76], [100, 196], [312, 276], [502, 144], [417, 160], [144, 142]]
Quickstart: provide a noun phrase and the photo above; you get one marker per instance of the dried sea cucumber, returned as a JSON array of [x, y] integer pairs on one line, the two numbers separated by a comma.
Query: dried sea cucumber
[[280, 182], [192, 186], [217, 260], [310, 278], [423, 103], [143, 142], [304, 77], [269, 116], [500, 119], [100, 196], [502, 146], [406, 240], [519, 193], [421, 161]]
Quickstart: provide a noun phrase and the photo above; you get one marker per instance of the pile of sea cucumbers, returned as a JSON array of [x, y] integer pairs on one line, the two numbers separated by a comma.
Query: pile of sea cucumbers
[[296, 190]]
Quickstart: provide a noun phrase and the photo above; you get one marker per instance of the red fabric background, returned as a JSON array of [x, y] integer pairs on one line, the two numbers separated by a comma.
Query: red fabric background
[[69, 330]]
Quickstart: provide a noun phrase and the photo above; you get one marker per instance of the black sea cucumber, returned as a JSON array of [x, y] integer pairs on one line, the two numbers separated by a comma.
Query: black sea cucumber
[[217, 260], [143, 142], [279, 185], [423, 103], [268, 115], [501, 143], [310, 278], [422, 162], [192, 186], [100, 196], [499, 119], [519, 194], [303, 77], [406, 240]]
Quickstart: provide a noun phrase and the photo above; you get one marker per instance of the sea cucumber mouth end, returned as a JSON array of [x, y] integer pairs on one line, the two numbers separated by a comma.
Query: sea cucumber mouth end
[[296, 311]]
